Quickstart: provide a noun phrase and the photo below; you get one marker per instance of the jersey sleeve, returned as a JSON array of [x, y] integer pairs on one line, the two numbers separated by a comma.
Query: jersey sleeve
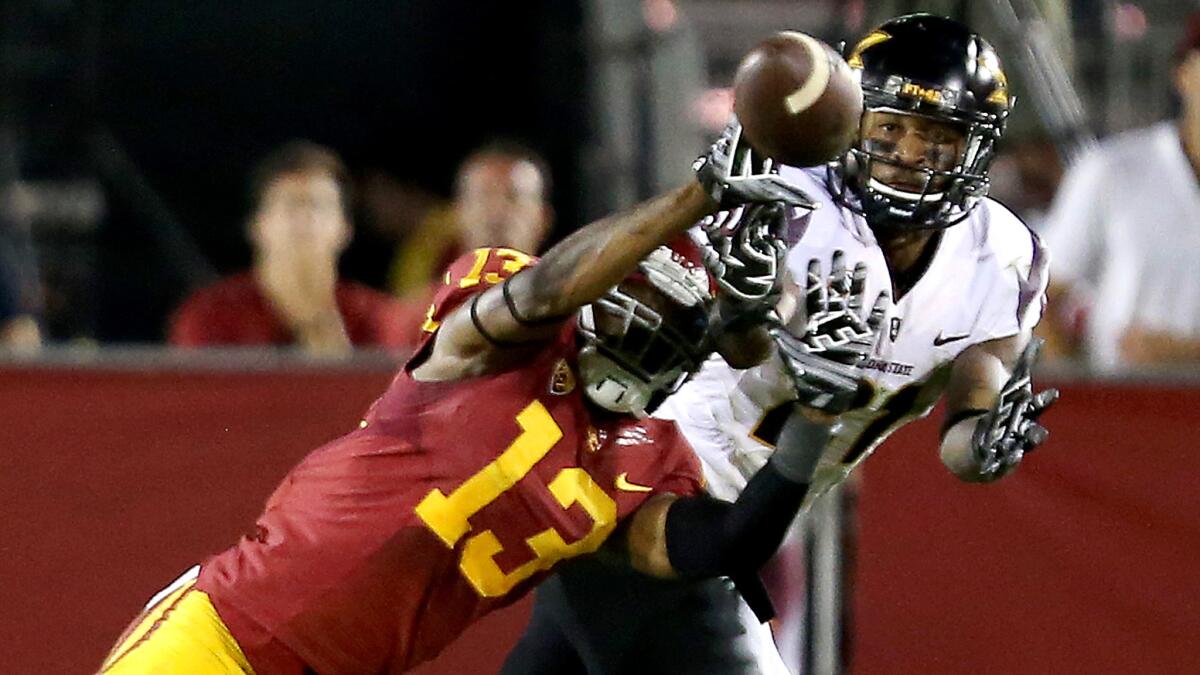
[[1016, 295], [471, 274]]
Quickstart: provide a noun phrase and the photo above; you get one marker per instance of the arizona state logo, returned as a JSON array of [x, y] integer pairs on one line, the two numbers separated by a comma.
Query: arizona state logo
[[999, 96], [855, 58], [562, 381]]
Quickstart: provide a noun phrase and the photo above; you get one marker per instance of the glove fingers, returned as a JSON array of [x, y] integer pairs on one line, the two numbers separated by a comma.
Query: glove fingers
[[814, 293], [1018, 386], [721, 222], [1016, 419], [1035, 435], [1012, 457], [776, 189], [878, 312], [839, 282], [1040, 402], [858, 288], [1029, 356]]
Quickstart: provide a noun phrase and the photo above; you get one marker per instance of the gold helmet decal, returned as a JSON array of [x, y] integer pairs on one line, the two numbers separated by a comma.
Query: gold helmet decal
[[928, 94], [990, 63], [872, 39]]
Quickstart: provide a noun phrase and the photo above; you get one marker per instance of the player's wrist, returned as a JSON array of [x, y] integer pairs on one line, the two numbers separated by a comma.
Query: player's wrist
[[702, 194], [801, 443]]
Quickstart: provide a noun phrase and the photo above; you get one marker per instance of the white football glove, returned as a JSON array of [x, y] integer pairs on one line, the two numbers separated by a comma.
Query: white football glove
[[746, 253], [822, 348], [732, 174], [1010, 429]]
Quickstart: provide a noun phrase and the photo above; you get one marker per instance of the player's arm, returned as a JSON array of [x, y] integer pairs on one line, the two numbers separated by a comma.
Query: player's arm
[[699, 537], [991, 411], [695, 537], [531, 305]]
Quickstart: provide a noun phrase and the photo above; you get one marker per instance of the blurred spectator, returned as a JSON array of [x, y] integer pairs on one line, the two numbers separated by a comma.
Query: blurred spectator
[[500, 199], [20, 291], [1125, 231], [292, 296], [1025, 176]]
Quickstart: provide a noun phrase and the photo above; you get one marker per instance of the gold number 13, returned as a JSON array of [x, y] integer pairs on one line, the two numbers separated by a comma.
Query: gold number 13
[[448, 515]]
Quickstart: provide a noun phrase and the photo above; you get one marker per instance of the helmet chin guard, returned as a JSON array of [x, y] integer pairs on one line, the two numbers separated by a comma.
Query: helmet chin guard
[[612, 387]]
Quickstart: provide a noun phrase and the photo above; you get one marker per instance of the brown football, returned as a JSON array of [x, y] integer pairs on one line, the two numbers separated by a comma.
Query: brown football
[[797, 100]]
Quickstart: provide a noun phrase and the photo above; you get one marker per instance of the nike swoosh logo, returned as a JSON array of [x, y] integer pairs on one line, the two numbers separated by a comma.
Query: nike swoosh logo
[[624, 484], [945, 339]]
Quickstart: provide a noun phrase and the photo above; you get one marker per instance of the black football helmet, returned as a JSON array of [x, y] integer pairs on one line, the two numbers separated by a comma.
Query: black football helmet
[[936, 67]]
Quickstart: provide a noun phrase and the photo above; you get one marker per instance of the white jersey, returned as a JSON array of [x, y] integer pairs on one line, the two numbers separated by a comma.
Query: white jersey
[[985, 281]]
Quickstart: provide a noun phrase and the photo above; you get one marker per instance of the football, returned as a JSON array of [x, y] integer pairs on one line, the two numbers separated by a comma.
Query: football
[[798, 101]]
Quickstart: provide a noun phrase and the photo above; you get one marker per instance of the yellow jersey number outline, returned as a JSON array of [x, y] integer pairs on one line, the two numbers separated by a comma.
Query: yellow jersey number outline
[[514, 261], [447, 515]]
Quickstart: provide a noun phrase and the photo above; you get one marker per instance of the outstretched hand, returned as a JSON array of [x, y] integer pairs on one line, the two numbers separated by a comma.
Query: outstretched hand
[[1010, 429], [733, 174], [822, 348], [746, 253]]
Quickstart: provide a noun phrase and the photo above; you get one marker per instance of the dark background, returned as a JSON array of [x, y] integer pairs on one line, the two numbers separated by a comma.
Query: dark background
[[170, 104]]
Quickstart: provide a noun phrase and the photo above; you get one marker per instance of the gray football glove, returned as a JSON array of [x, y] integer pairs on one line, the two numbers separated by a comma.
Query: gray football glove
[[822, 350], [1010, 429], [746, 255], [732, 174]]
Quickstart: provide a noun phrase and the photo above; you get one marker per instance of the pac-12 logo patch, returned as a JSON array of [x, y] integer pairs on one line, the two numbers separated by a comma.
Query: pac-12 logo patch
[[562, 381]]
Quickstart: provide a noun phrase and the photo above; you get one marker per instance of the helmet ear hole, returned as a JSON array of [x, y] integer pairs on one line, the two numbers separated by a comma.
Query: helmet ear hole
[[611, 386]]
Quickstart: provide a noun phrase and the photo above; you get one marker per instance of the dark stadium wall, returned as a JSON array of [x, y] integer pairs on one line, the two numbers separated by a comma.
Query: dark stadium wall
[[114, 481], [196, 93]]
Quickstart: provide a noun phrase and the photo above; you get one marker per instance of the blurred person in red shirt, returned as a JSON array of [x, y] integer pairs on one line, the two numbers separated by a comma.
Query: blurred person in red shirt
[[500, 200], [292, 294]]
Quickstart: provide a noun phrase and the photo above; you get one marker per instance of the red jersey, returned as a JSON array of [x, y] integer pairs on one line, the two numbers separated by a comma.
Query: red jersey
[[234, 312], [450, 500]]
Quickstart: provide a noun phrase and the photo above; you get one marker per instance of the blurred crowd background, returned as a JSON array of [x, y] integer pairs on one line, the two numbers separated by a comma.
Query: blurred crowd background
[[294, 174], [178, 179]]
